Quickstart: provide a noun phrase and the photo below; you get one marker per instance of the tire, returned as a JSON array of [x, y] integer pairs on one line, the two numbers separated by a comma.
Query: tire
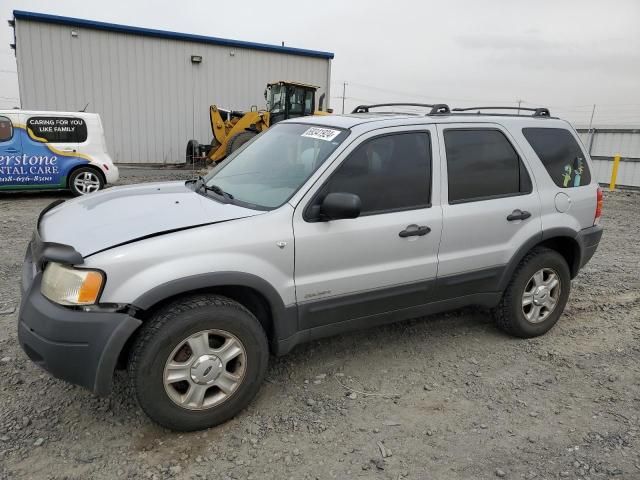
[[160, 353], [238, 140], [192, 151], [85, 180], [512, 314]]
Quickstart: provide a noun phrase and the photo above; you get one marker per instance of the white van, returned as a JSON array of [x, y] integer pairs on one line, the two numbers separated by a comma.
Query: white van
[[54, 150]]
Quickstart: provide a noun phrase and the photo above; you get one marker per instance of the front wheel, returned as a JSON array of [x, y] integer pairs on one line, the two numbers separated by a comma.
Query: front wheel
[[239, 140], [198, 362], [84, 181], [536, 296]]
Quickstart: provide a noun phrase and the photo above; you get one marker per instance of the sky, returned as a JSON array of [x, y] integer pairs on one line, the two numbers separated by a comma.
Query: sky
[[565, 55]]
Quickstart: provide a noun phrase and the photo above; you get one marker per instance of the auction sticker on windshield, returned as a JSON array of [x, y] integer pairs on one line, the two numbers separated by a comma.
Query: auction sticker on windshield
[[326, 134]]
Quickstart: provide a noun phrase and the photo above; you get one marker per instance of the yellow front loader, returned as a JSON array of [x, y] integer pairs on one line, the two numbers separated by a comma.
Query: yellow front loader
[[231, 129]]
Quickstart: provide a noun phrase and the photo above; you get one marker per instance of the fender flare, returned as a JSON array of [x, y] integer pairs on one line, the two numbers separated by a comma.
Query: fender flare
[[285, 319], [526, 247]]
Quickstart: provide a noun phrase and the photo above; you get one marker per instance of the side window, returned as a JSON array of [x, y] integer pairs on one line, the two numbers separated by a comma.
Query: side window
[[6, 129], [560, 154], [308, 103], [482, 164], [58, 129], [388, 173]]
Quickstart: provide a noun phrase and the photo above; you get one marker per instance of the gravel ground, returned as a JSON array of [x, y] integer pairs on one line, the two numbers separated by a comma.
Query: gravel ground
[[445, 397]]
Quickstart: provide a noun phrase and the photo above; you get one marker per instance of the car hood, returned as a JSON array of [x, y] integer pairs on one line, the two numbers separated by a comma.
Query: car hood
[[121, 215]]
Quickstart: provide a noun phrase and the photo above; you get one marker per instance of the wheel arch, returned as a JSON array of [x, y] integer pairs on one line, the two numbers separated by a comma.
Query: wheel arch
[[253, 292], [89, 166], [562, 240]]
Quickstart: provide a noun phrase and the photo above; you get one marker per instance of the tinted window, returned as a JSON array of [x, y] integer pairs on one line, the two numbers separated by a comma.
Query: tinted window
[[392, 172], [58, 129], [483, 164], [6, 129], [560, 154]]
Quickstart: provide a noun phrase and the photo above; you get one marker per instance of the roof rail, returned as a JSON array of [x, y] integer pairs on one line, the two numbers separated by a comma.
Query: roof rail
[[436, 108], [537, 112]]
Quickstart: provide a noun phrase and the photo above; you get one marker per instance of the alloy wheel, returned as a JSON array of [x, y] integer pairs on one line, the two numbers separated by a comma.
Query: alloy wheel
[[205, 369], [541, 295]]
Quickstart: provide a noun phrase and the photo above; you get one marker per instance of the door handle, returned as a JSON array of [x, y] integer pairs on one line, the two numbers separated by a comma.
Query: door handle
[[71, 150], [11, 150], [414, 230], [518, 214]]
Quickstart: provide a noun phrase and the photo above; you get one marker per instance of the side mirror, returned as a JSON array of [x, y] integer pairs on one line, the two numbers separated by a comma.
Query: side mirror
[[336, 206]]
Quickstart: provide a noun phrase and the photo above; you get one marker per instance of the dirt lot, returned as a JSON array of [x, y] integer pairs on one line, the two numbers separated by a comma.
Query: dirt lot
[[446, 397]]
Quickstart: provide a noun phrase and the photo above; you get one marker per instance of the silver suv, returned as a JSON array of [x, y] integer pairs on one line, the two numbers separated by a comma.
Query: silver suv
[[318, 226]]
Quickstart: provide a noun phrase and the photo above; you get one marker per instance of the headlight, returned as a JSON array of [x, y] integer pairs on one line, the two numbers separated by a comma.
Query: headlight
[[71, 286]]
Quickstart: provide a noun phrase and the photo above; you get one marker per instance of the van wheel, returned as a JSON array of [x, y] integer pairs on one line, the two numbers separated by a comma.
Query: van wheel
[[85, 180], [198, 362], [536, 296]]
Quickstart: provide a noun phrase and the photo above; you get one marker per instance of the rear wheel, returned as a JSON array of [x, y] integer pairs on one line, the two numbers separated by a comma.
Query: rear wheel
[[85, 180], [536, 296], [198, 362], [193, 150], [238, 140]]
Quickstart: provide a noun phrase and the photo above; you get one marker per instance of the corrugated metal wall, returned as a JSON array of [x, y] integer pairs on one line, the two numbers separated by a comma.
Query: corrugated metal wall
[[150, 96], [607, 142]]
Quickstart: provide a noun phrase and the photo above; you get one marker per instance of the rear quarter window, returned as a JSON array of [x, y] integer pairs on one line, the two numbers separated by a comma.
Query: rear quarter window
[[58, 129], [560, 154]]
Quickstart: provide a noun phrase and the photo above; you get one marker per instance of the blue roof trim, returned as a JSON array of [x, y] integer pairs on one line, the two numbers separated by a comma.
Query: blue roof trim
[[150, 32]]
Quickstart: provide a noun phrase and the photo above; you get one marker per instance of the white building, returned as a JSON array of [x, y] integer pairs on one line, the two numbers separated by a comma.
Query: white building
[[152, 88]]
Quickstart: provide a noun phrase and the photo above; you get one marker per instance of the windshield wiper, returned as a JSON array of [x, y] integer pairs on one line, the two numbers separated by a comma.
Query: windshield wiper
[[200, 184]]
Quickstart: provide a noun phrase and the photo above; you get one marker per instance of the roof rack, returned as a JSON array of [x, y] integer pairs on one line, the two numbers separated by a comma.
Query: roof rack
[[436, 108], [537, 112]]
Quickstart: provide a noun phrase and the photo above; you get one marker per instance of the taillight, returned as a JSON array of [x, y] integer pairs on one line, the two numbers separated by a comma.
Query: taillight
[[596, 219]]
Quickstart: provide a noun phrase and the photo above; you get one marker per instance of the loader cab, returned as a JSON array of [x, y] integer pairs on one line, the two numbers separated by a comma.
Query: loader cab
[[290, 100]]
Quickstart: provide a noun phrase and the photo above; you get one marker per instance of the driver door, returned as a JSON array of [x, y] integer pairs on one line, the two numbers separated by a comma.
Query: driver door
[[359, 268]]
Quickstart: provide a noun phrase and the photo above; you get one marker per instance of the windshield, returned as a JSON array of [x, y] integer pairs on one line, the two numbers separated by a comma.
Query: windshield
[[271, 168]]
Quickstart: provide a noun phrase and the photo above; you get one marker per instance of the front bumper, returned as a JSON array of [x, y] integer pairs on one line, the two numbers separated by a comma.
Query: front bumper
[[73, 345]]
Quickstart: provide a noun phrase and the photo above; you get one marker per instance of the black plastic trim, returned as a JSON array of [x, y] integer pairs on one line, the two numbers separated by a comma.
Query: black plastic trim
[[336, 328], [285, 319], [589, 239], [77, 346], [486, 280], [43, 252], [362, 304]]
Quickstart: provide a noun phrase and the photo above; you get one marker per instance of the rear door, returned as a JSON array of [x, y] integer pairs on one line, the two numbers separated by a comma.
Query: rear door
[[12, 172], [490, 207], [357, 268]]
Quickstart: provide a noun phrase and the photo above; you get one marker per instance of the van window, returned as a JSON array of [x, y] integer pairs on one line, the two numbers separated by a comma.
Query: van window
[[58, 129], [560, 154], [6, 129], [388, 173]]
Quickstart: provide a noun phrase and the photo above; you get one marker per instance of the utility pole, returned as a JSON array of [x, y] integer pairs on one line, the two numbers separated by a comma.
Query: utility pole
[[344, 92], [591, 134], [519, 103]]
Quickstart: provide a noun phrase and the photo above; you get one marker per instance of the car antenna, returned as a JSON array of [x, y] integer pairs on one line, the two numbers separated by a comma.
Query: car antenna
[[85, 107]]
